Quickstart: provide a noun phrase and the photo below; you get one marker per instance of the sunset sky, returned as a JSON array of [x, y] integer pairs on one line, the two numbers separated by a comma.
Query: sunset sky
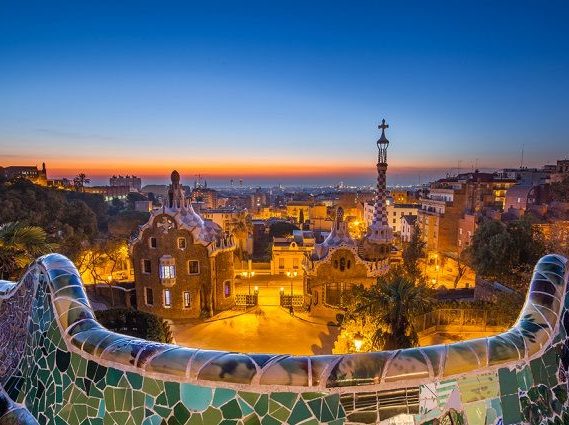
[[282, 92]]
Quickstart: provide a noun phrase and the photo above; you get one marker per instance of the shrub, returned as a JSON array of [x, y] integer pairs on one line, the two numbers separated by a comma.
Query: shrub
[[135, 323]]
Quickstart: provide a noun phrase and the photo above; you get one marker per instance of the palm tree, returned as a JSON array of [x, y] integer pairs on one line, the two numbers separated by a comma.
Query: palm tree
[[242, 227], [19, 245], [80, 180], [391, 304]]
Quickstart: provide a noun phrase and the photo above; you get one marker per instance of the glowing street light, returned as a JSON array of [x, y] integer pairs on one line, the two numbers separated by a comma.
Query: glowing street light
[[248, 275], [292, 275], [358, 341]]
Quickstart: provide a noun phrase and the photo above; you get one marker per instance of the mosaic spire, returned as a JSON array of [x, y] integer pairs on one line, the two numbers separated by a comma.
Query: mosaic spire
[[380, 212]]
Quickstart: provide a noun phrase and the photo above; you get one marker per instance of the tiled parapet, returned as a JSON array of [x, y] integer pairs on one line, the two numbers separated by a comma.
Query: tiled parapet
[[69, 369]]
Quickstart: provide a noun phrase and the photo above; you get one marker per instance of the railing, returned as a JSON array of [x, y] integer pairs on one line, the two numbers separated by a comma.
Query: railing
[[465, 319], [245, 300], [297, 300]]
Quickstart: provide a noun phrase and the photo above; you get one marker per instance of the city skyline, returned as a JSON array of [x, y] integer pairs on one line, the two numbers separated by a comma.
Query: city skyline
[[288, 95]]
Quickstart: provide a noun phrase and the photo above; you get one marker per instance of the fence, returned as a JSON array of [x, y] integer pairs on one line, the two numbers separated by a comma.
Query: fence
[[297, 300], [245, 300], [473, 320]]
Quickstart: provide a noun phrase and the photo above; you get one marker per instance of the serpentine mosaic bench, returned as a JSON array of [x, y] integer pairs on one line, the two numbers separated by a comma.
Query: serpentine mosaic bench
[[65, 368]]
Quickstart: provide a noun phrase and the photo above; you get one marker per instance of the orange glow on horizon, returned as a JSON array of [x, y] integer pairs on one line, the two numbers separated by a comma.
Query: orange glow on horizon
[[254, 167]]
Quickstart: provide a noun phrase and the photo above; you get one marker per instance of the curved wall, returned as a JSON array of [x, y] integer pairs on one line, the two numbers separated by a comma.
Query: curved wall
[[66, 368]]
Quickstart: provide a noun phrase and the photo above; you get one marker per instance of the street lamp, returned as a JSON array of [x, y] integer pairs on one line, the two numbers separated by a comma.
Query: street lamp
[[291, 275], [358, 341], [248, 275]]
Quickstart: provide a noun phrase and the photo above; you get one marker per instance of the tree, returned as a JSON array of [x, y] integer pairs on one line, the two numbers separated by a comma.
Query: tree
[[301, 218], [413, 252], [241, 228], [387, 309], [19, 245], [461, 266], [126, 223], [559, 191], [506, 252], [280, 229], [79, 181]]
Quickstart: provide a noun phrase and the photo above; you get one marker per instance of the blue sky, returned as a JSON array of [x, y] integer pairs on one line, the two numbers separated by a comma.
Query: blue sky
[[286, 92]]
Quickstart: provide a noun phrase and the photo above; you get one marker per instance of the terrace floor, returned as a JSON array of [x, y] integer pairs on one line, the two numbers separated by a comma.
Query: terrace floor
[[263, 329]]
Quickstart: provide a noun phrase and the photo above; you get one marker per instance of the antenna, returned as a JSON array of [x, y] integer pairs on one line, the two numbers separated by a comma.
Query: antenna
[[458, 168], [522, 160]]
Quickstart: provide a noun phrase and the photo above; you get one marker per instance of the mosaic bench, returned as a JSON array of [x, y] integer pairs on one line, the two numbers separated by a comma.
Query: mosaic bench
[[65, 368]]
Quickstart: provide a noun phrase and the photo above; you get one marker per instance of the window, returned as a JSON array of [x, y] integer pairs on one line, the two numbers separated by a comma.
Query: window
[[181, 243], [394, 221], [460, 230], [349, 264], [167, 298], [187, 299], [227, 288], [167, 271], [342, 264], [152, 242], [148, 296], [193, 267], [146, 266], [295, 263], [281, 263]]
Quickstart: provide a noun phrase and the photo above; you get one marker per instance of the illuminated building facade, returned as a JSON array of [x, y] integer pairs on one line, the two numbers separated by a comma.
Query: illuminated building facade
[[183, 265], [31, 173]]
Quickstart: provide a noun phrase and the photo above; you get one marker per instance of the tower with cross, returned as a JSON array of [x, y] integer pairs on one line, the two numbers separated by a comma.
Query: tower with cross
[[379, 233]]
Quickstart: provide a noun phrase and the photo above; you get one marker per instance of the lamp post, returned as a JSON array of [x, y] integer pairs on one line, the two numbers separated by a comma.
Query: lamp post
[[291, 275], [248, 275]]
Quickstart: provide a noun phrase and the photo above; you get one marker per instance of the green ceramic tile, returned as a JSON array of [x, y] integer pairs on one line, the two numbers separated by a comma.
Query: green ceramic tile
[[511, 409], [299, 413], [231, 410]]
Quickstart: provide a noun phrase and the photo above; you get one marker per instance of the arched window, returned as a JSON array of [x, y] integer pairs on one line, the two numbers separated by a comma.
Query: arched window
[[349, 264], [342, 264]]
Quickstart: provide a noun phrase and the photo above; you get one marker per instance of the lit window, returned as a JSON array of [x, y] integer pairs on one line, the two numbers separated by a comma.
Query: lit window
[[193, 267], [227, 288], [167, 298], [187, 299], [149, 296], [295, 263], [181, 243], [146, 266], [281, 263], [152, 242], [167, 269]]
